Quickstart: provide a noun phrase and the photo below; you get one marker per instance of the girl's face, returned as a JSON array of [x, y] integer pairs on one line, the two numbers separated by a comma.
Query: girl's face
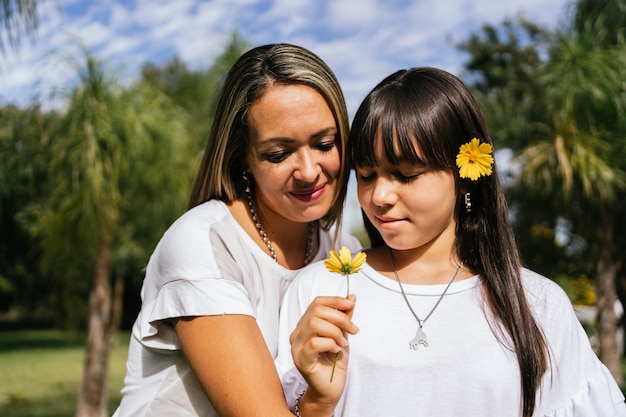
[[292, 153], [411, 205]]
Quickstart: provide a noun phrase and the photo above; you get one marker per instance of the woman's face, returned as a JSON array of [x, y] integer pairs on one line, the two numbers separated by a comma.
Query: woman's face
[[411, 205], [292, 153]]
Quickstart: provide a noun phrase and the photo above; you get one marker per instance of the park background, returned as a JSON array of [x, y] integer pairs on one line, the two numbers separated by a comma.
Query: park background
[[105, 108]]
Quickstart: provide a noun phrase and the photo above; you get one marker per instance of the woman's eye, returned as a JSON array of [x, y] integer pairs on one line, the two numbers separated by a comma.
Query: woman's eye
[[276, 157], [326, 146]]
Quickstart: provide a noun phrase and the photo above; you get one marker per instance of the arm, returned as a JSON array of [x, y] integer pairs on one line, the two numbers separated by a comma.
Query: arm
[[233, 365], [317, 338]]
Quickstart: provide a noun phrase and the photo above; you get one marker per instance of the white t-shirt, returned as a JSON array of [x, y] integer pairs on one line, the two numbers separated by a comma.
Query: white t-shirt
[[205, 264], [464, 371]]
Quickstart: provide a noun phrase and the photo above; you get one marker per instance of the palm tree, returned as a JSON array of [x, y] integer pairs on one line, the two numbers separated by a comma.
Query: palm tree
[[17, 17], [85, 211], [575, 161], [104, 140]]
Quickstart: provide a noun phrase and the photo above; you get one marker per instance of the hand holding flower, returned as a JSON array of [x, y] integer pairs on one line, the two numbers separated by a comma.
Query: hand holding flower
[[342, 263]]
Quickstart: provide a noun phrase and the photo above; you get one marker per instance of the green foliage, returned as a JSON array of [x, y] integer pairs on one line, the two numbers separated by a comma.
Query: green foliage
[[558, 99], [24, 157], [116, 165], [195, 91], [17, 18], [579, 289]]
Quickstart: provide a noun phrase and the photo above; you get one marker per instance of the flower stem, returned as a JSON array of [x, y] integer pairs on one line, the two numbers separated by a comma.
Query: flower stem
[[334, 364], [332, 373]]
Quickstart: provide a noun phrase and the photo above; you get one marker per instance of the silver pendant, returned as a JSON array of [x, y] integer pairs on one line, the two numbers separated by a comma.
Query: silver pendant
[[419, 339]]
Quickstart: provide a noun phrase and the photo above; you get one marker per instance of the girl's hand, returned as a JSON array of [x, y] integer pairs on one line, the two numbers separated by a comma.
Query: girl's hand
[[321, 334]]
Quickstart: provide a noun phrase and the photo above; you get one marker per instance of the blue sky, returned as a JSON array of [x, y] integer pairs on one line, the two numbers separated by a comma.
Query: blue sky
[[361, 40]]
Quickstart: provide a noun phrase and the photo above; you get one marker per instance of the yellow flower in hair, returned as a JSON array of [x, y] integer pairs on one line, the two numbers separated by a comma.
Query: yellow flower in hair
[[343, 263], [474, 160]]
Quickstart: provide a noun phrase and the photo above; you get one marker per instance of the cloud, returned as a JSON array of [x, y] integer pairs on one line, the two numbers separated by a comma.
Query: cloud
[[362, 40]]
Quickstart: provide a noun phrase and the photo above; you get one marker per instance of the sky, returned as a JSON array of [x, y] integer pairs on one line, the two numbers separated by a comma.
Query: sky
[[362, 40]]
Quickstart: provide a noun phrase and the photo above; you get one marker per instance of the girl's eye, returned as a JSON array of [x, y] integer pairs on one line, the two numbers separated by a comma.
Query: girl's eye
[[365, 176], [408, 178]]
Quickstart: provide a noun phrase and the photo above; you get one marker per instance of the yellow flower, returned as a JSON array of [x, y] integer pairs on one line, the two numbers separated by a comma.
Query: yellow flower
[[342, 262], [474, 160]]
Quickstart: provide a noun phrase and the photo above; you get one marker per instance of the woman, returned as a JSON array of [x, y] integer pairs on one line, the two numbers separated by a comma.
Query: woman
[[449, 322], [266, 202]]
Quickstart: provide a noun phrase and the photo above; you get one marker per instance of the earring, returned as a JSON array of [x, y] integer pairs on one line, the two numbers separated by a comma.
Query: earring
[[247, 181], [468, 203]]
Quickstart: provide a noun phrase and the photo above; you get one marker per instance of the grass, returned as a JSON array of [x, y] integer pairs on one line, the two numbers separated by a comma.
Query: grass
[[41, 372]]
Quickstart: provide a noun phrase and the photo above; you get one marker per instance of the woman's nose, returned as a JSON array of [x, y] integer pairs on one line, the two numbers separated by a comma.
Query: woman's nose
[[308, 168]]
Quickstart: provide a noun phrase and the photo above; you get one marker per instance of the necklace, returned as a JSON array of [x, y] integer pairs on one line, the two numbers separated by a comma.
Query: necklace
[[420, 336], [266, 240]]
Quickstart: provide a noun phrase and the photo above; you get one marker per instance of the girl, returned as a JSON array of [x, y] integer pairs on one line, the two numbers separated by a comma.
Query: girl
[[450, 323], [271, 186]]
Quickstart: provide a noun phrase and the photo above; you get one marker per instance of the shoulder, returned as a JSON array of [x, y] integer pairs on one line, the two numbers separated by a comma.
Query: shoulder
[[199, 218], [553, 310], [543, 293], [186, 244], [540, 289], [195, 224], [314, 280]]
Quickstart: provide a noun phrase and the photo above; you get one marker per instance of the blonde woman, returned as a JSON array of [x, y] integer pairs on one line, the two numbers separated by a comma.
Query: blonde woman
[[267, 201]]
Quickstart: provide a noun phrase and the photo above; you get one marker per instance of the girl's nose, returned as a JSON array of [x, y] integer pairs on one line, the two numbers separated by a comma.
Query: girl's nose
[[383, 192]]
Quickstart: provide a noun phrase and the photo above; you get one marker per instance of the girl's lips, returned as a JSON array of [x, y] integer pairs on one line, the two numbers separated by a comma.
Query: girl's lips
[[389, 223], [309, 195]]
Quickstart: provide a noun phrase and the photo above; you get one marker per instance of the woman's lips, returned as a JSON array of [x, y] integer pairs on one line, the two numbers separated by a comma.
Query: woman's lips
[[312, 194]]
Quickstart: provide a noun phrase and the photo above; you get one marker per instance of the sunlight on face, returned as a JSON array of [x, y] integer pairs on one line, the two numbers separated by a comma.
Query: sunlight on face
[[293, 154]]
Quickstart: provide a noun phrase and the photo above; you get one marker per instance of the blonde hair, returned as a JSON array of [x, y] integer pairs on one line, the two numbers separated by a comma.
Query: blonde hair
[[220, 174]]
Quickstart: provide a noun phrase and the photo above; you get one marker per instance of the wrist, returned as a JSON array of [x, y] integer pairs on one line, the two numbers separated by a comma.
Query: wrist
[[312, 407]]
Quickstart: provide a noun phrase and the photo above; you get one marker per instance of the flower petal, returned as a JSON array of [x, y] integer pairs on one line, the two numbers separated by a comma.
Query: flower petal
[[474, 159], [358, 261], [344, 256], [333, 263]]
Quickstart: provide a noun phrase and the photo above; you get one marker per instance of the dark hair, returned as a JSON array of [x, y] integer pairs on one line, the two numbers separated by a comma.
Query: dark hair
[[220, 175], [432, 111]]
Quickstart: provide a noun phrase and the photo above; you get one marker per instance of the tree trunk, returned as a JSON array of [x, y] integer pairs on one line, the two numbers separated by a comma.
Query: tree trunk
[[606, 294], [118, 303], [92, 400]]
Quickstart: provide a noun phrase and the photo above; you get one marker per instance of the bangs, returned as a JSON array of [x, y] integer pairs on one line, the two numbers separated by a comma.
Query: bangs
[[387, 133], [407, 119]]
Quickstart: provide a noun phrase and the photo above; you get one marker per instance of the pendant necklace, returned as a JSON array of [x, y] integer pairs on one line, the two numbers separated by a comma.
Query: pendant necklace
[[420, 336]]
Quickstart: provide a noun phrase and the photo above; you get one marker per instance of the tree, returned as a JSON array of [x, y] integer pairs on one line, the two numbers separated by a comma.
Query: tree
[[17, 17], [84, 205], [581, 161], [564, 116], [103, 139], [501, 70], [24, 155]]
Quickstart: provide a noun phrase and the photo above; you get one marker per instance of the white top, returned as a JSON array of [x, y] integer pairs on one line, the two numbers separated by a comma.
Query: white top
[[464, 371], [205, 264]]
